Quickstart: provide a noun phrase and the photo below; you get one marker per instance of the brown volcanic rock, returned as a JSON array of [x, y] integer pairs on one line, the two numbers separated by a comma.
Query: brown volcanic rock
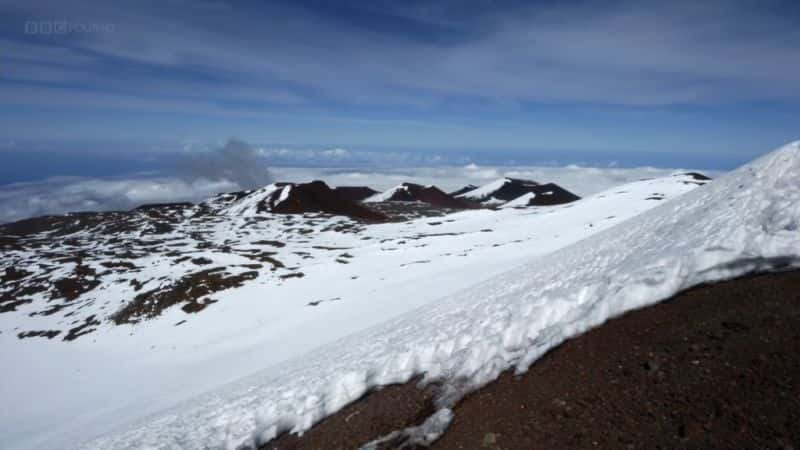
[[513, 188], [355, 193], [317, 196], [411, 192], [551, 194], [714, 367]]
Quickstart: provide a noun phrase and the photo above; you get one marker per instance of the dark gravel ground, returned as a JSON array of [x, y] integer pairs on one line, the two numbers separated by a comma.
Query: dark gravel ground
[[714, 367]]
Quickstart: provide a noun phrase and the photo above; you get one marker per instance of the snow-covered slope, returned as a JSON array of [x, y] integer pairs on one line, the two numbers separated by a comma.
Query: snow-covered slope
[[486, 192], [388, 194], [334, 278], [745, 221]]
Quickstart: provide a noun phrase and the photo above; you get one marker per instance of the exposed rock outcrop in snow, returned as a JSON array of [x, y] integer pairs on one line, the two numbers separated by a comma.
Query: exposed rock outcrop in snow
[[355, 193], [291, 198], [411, 192], [508, 189]]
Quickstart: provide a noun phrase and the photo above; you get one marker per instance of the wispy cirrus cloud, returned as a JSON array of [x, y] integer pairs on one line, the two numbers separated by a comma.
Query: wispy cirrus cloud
[[638, 53], [711, 76]]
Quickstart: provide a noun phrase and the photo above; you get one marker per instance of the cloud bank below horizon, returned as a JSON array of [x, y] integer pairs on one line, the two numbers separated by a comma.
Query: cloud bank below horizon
[[59, 195]]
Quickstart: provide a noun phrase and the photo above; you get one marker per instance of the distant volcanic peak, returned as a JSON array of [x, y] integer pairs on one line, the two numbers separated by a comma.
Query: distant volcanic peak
[[412, 192], [241, 203], [355, 193], [501, 190], [298, 198], [551, 194], [521, 192], [399, 193], [319, 197], [521, 182], [463, 190], [696, 176]]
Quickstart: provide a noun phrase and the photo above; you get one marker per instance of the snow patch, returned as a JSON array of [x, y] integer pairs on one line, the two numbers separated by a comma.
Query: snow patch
[[486, 190]]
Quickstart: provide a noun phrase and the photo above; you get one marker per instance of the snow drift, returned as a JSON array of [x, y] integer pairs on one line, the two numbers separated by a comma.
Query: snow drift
[[745, 221]]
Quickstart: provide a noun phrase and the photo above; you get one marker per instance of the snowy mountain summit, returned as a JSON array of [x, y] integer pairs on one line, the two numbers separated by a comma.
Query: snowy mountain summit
[[267, 322], [292, 198], [525, 192], [411, 192]]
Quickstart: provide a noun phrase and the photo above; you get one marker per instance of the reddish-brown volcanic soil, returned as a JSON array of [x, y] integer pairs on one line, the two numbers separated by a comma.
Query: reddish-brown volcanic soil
[[317, 196], [355, 193], [715, 367], [431, 195], [551, 194]]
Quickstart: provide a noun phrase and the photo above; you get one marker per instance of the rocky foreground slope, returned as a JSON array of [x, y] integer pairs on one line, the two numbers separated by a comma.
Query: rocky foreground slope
[[705, 369]]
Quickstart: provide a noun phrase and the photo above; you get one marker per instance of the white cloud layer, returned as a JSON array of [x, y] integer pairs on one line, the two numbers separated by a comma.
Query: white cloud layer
[[60, 195]]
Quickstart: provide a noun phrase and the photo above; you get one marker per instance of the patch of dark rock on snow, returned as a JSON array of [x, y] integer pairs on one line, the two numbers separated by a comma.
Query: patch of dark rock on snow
[[411, 192], [317, 196], [179, 206], [292, 275], [270, 243], [192, 291], [551, 194], [49, 334], [82, 329], [319, 302], [14, 274], [122, 265], [512, 188], [201, 261], [423, 261], [698, 176], [355, 193], [404, 211], [83, 279]]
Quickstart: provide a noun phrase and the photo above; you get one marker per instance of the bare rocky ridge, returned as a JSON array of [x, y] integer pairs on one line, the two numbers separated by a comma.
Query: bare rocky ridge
[[355, 193], [509, 189], [463, 190], [551, 194], [292, 198], [411, 192], [318, 197]]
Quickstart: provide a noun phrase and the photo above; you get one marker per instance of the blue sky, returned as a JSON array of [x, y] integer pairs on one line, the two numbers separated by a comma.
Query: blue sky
[[125, 83]]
